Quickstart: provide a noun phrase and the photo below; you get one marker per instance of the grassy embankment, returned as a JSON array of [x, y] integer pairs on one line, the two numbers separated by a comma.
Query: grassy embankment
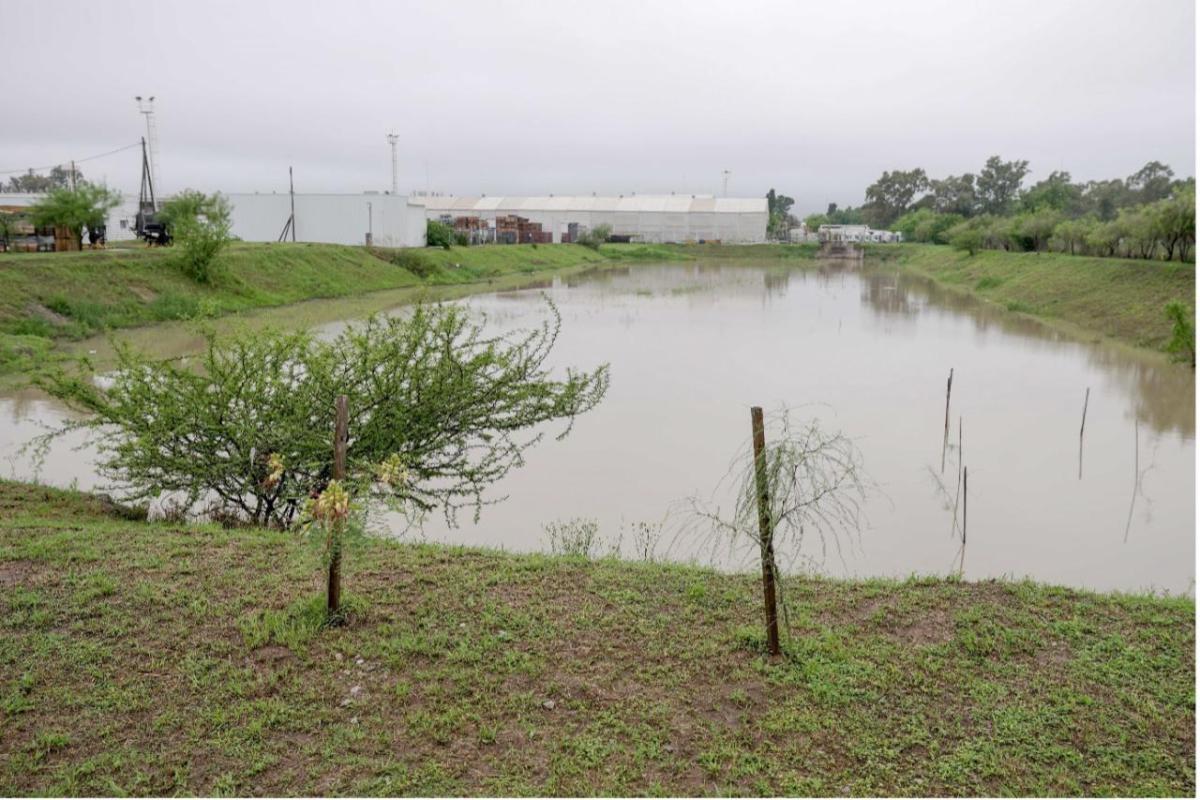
[[159, 659], [51, 297], [1114, 297]]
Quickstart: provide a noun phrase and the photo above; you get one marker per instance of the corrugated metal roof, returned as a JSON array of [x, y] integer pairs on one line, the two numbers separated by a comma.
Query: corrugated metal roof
[[678, 204]]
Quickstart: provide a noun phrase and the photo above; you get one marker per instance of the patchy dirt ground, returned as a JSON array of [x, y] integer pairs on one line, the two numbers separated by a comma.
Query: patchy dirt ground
[[155, 659]]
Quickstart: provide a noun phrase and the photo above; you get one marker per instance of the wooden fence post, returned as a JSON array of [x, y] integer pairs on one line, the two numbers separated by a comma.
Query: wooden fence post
[[765, 531], [340, 436]]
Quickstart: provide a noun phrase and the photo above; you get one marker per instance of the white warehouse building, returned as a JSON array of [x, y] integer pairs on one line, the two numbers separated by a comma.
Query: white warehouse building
[[645, 218]]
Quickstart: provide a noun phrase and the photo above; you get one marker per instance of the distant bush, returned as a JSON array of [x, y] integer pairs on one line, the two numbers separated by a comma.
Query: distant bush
[[595, 237], [1182, 346], [412, 260], [575, 537], [462, 240], [438, 234], [199, 224], [966, 236]]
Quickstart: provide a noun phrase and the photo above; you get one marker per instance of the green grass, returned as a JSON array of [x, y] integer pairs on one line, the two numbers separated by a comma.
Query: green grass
[[48, 297], [1114, 297], [149, 658]]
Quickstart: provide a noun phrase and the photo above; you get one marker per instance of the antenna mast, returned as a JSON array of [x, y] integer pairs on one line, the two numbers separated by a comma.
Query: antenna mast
[[725, 173], [392, 140], [146, 109]]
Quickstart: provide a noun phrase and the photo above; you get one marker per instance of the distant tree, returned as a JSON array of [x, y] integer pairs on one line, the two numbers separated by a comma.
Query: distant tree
[[1139, 233], [1174, 222], [1105, 199], [1055, 192], [1104, 238], [1070, 236], [779, 216], [1150, 183], [32, 183], [954, 194], [926, 225], [999, 183], [892, 195], [86, 206], [1032, 230]]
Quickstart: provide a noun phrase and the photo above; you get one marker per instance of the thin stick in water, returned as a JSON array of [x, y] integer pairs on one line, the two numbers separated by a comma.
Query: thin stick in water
[[1136, 475], [946, 425], [1083, 422], [964, 530]]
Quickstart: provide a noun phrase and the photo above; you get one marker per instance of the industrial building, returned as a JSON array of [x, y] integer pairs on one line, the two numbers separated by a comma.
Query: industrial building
[[643, 218]]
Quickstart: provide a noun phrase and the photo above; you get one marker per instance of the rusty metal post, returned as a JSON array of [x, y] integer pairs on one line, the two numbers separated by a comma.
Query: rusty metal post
[[765, 532], [340, 436]]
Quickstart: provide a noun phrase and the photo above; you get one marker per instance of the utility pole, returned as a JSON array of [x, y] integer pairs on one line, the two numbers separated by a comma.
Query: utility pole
[[73, 187], [392, 140], [146, 109], [725, 173]]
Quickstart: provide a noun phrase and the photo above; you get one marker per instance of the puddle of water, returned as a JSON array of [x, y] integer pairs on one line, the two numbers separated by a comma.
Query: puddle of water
[[692, 347]]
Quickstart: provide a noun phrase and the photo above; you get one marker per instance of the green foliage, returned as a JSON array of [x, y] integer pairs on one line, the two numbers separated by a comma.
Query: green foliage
[[1182, 346], [438, 234], [200, 226], [412, 260], [926, 225], [892, 195], [1032, 231], [968, 236], [461, 239], [86, 206], [595, 237], [250, 427], [999, 183]]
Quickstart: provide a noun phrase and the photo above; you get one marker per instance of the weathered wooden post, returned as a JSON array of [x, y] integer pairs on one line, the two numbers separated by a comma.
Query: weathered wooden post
[[766, 532], [340, 436]]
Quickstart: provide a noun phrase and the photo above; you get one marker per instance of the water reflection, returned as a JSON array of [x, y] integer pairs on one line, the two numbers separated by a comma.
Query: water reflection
[[696, 344]]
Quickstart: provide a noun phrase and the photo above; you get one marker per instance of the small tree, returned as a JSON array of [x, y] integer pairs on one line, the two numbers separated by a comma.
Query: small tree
[[438, 234], [74, 209], [789, 483], [247, 425], [200, 225]]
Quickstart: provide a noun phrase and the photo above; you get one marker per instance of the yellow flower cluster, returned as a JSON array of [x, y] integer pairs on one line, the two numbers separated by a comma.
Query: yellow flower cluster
[[333, 505], [392, 472], [275, 465]]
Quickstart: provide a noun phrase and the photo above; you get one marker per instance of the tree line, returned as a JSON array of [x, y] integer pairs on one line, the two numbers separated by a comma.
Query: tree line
[[1149, 214]]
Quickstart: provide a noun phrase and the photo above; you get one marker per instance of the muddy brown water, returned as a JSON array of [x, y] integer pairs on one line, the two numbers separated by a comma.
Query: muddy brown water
[[865, 349]]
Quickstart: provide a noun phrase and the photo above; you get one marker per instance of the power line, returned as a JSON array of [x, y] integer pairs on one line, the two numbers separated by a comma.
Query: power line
[[77, 160]]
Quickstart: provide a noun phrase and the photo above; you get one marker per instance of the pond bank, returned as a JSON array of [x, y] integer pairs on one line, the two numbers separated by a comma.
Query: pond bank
[[193, 653], [50, 298], [1116, 298]]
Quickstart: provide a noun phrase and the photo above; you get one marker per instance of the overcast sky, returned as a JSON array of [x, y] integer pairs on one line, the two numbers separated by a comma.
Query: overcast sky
[[812, 98]]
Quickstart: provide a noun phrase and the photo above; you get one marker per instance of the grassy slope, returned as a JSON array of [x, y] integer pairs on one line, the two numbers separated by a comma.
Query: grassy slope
[[159, 659], [1114, 297], [49, 296]]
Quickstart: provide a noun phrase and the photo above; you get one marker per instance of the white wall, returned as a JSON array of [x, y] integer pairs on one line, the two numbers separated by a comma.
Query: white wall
[[330, 218]]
